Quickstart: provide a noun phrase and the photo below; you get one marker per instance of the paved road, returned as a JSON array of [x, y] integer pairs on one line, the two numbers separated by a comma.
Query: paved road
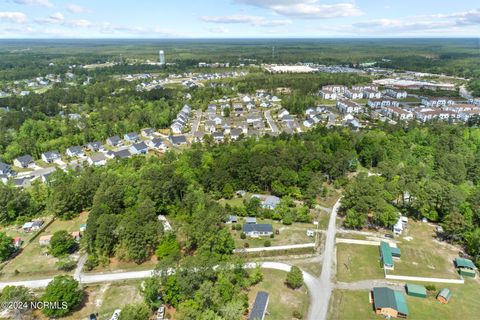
[[271, 122], [319, 306], [196, 122], [275, 248]]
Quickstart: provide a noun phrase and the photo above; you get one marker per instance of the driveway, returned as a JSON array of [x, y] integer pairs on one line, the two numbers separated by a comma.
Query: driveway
[[271, 122]]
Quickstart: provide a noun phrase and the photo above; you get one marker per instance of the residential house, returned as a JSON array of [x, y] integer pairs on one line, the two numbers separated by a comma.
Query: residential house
[[235, 133], [177, 140], [156, 143], [396, 94], [198, 136], [139, 148], [77, 235], [251, 220], [253, 117], [97, 159], [365, 87], [347, 106], [328, 95], [354, 94], [218, 136], [177, 127], [267, 202], [397, 113], [6, 170], [122, 154], [308, 123], [371, 94], [282, 113], [51, 156], [95, 146], [382, 102], [257, 230], [335, 88], [131, 137], [76, 151], [114, 141], [389, 303], [148, 133], [437, 102], [32, 226], [232, 219], [45, 240], [210, 126], [23, 161], [425, 115], [17, 242]]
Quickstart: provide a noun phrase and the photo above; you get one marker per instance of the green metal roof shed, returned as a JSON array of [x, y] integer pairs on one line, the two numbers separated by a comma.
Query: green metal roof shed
[[386, 253], [416, 290], [384, 297], [464, 263], [467, 272]]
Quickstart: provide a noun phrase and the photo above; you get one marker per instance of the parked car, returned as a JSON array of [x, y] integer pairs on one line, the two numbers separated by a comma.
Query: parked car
[[388, 235]]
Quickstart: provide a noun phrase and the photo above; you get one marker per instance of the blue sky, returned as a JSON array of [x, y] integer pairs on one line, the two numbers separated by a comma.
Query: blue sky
[[238, 18]]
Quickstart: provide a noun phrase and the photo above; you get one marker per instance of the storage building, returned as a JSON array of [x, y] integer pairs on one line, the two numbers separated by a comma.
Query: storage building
[[416, 290]]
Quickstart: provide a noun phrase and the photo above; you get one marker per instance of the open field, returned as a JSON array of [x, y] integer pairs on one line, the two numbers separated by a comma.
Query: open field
[[34, 262], [358, 262], [293, 234], [464, 304], [283, 301], [423, 255], [116, 265]]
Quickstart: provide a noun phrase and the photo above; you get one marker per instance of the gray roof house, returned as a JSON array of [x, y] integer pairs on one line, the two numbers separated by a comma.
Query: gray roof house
[[23, 161], [218, 136], [177, 140], [131, 137], [122, 154], [114, 141], [257, 230], [267, 202], [235, 133], [50, 156], [148, 132], [139, 148], [97, 159], [259, 306], [95, 146], [76, 151], [156, 143]]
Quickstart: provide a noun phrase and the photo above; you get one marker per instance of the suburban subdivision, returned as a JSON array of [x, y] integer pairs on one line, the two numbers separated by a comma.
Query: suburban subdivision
[[271, 174]]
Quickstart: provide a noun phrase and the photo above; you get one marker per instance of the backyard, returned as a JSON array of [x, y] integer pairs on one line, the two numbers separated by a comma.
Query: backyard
[[282, 300], [358, 262]]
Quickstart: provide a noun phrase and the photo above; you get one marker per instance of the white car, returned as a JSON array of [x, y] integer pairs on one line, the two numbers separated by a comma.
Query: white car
[[116, 314]]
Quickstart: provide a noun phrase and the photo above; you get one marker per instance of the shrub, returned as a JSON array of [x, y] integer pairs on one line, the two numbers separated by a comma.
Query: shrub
[[297, 314], [243, 235], [431, 287], [267, 243], [246, 245], [294, 278], [238, 227], [66, 265]]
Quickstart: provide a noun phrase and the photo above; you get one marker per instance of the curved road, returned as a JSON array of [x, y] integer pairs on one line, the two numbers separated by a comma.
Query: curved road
[[320, 289]]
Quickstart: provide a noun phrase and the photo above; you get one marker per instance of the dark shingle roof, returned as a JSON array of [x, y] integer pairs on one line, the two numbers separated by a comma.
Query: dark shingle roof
[[250, 227]]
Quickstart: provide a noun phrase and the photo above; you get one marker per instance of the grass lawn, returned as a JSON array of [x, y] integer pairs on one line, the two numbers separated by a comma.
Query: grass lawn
[[423, 255], [33, 262], [358, 262], [350, 305], [323, 219], [117, 265], [234, 201], [105, 298], [282, 300], [331, 198], [346, 304], [293, 234]]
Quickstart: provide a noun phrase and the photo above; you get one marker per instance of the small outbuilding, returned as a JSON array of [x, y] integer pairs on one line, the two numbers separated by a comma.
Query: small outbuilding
[[416, 290], [464, 263], [259, 306], [386, 255], [444, 295], [396, 252], [45, 240]]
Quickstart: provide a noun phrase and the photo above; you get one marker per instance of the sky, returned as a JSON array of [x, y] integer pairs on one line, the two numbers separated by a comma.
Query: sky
[[238, 18]]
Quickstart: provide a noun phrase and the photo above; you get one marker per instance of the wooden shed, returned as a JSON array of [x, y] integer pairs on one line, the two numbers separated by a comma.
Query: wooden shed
[[444, 295]]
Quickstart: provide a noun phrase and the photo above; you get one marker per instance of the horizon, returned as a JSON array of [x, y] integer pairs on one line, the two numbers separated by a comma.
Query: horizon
[[225, 19]]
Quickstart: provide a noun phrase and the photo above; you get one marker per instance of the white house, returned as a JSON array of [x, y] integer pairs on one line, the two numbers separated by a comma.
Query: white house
[[437, 102], [50, 156], [347, 106], [396, 94], [371, 94], [354, 94], [328, 95], [282, 113], [335, 88]]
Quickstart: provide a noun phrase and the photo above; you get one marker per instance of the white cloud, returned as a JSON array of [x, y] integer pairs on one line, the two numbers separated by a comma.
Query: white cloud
[[59, 19], [255, 21], [15, 17], [42, 3], [453, 22], [306, 9], [73, 8]]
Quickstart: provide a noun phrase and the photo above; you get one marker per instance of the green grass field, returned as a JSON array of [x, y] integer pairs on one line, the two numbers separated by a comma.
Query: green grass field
[[358, 262], [282, 300], [422, 255], [34, 262], [346, 304]]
